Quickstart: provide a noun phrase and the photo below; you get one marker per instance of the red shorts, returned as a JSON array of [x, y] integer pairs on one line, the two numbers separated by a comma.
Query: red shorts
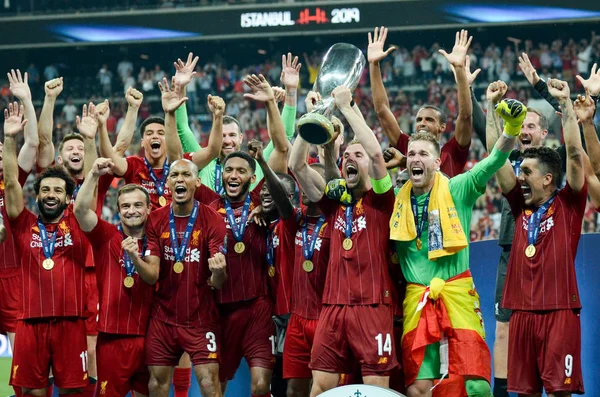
[[93, 306], [544, 350], [10, 293], [116, 377], [298, 345], [165, 343], [348, 334], [249, 332], [41, 344]]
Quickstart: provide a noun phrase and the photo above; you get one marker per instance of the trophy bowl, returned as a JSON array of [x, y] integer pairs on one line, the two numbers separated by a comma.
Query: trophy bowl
[[342, 65]]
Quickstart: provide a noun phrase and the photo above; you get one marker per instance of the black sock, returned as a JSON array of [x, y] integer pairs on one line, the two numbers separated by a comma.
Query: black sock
[[500, 387]]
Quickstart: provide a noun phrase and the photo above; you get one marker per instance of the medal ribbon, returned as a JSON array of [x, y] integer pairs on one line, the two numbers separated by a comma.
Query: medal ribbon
[[129, 266], [77, 187], [238, 230], [48, 244], [179, 250], [415, 209], [517, 167], [533, 227], [308, 247], [218, 181], [349, 213], [270, 245], [158, 183]]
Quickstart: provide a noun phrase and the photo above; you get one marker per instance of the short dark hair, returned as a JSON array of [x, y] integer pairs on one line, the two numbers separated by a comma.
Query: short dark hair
[[233, 120], [543, 120], [150, 120], [131, 187], [549, 160], [290, 182], [425, 136], [441, 113], [244, 156], [55, 172], [69, 137]]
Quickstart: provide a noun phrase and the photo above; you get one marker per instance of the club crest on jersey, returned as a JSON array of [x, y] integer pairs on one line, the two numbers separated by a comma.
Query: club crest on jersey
[[195, 237], [103, 387]]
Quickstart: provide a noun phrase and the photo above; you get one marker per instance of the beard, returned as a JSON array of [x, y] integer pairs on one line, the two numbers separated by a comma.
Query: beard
[[53, 213], [71, 170]]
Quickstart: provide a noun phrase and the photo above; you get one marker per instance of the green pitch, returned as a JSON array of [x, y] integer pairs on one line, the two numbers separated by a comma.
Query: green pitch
[[5, 389]]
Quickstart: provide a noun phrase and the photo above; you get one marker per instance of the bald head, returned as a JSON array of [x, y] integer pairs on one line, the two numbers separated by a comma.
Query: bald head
[[186, 163]]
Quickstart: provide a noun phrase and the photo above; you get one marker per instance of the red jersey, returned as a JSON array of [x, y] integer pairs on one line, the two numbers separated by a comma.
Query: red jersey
[[308, 286], [138, 173], [453, 157], [9, 265], [59, 292], [547, 280], [360, 275], [185, 299], [123, 311], [248, 270], [282, 234]]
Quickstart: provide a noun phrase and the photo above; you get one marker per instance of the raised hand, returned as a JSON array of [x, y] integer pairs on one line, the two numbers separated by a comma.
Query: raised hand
[[558, 89], [592, 83], [134, 97], [585, 107], [255, 149], [87, 124], [18, 85], [342, 96], [312, 98], [528, 69], [185, 71], [393, 158], [102, 112], [513, 113], [279, 94], [216, 105], [13, 119], [261, 90], [375, 52], [170, 96], [53, 87], [217, 264], [458, 56], [130, 246], [290, 71], [496, 91], [102, 166]]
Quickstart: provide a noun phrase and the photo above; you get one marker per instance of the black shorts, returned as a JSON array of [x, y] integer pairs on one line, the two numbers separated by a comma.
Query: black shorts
[[502, 315]]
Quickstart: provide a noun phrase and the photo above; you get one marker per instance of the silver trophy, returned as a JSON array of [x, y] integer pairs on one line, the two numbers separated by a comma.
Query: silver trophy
[[342, 65]]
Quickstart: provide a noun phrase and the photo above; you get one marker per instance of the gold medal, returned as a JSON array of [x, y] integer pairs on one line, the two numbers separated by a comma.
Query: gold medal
[[530, 251], [162, 201], [308, 266], [347, 244], [271, 271], [419, 244], [178, 267], [48, 264], [128, 282], [240, 247]]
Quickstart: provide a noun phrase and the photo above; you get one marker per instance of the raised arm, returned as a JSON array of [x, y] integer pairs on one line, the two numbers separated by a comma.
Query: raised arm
[[13, 192], [20, 89], [119, 164], [134, 101], [495, 92], [171, 99], [584, 111], [87, 125], [375, 54], [575, 170], [276, 187], [184, 74], [85, 215], [363, 133], [203, 156], [310, 181], [46, 151], [458, 59], [261, 91], [538, 84]]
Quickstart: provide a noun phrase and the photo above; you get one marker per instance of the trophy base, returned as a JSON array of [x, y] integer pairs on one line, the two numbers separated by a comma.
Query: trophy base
[[315, 128]]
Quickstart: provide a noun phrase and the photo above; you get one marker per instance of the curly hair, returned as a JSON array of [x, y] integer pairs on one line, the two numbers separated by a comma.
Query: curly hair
[[548, 159], [55, 172], [244, 156]]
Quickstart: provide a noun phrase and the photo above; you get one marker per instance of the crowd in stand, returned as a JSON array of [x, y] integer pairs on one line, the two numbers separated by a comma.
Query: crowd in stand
[[412, 77]]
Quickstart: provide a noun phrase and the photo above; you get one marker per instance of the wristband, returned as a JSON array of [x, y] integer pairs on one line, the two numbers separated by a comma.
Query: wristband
[[508, 135], [381, 186]]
